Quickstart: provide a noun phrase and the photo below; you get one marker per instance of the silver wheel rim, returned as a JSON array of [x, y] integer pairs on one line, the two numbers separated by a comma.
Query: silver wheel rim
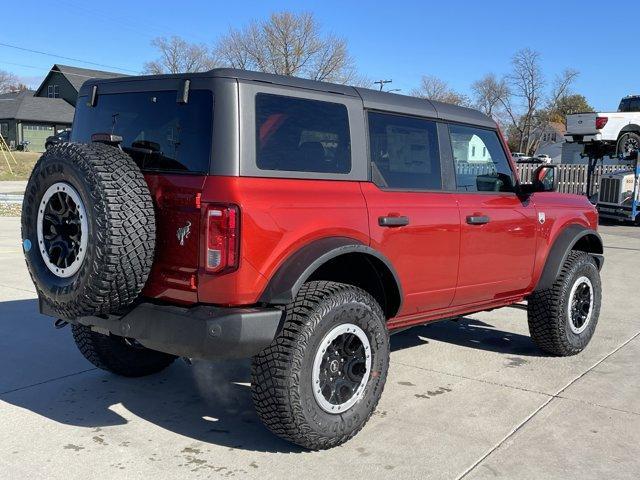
[[580, 305], [62, 229], [347, 371]]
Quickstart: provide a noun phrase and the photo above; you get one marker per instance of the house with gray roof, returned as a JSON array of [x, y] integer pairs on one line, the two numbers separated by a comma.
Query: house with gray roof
[[26, 118], [64, 81], [32, 116]]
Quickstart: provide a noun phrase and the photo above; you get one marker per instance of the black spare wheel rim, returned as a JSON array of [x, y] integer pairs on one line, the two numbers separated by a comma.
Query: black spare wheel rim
[[341, 368], [62, 229]]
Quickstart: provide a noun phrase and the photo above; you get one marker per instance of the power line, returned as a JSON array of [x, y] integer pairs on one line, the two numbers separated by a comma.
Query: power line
[[66, 58]]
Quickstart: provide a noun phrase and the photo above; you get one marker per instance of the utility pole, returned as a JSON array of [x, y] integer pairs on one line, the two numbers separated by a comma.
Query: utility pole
[[382, 83]]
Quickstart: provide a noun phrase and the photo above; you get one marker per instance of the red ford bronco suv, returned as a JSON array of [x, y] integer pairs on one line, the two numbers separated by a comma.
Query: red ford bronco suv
[[233, 214]]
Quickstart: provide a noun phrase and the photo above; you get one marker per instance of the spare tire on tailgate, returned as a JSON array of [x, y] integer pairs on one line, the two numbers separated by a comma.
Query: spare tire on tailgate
[[88, 229]]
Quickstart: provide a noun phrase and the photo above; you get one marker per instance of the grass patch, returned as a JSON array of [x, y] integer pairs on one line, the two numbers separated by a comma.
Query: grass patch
[[21, 171]]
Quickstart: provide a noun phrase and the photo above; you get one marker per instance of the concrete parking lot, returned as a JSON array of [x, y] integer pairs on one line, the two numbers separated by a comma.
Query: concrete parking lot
[[468, 399]]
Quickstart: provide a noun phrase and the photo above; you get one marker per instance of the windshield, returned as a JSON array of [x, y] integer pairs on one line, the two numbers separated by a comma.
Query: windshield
[[159, 133]]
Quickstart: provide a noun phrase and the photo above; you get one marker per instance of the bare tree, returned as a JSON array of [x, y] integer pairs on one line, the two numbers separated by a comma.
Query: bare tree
[[435, 88], [562, 86], [9, 82], [489, 93], [526, 83], [287, 44], [179, 56]]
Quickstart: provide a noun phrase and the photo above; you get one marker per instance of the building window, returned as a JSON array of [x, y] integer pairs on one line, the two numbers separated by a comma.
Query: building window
[[4, 129], [53, 91]]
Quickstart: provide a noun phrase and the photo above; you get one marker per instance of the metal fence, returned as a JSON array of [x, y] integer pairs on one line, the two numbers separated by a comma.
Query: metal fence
[[571, 178]]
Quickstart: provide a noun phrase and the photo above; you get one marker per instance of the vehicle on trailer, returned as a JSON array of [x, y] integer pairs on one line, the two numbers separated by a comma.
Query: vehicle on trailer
[[619, 131], [233, 214], [619, 193]]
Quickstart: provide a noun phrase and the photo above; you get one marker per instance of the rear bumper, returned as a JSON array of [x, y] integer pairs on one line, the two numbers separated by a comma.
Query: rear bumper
[[203, 332]]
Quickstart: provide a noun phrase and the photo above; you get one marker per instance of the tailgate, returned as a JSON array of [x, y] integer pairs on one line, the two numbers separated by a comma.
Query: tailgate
[[176, 200], [581, 124]]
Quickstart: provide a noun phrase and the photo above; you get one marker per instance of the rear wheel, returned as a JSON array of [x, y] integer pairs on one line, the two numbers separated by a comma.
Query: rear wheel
[[627, 143], [119, 355], [563, 318], [320, 380]]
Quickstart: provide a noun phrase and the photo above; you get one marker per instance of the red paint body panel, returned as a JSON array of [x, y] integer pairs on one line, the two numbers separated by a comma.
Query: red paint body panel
[[278, 217], [425, 253], [446, 267], [174, 267], [560, 210], [496, 259]]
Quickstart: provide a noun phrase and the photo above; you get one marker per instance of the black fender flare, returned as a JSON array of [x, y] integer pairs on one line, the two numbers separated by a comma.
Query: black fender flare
[[590, 242], [631, 127], [299, 266]]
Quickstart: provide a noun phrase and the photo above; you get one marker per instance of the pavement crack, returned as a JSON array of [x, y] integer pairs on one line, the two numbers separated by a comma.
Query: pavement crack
[[557, 395], [621, 410], [47, 381]]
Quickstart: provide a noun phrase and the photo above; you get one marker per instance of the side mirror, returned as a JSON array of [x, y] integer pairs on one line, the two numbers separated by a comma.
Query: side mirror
[[545, 179]]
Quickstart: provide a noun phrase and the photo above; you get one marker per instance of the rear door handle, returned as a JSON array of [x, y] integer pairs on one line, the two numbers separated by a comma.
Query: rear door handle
[[477, 220], [393, 221]]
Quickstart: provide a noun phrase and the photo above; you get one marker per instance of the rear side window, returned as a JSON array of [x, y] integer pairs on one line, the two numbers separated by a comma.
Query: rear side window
[[630, 105], [404, 152], [159, 133], [300, 135], [480, 161]]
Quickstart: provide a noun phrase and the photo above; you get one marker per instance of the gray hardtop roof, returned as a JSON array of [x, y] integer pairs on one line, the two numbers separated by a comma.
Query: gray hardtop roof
[[372, 99]]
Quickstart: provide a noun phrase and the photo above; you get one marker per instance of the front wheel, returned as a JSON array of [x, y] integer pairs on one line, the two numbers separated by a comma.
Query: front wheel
[[320, 380], [563, 318]]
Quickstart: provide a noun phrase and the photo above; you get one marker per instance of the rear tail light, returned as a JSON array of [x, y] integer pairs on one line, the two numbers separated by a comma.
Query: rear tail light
[[601, 122], [223, 238]]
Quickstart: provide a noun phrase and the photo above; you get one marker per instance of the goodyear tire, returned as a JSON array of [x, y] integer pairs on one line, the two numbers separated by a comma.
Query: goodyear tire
[[119, 355], [320, 380], [88, 229], [563, 318]]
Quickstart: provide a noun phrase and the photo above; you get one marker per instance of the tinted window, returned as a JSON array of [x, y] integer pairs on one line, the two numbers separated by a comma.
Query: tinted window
[[630, 105], [301, 135], [159, 133], [404, 152], [480, 161]]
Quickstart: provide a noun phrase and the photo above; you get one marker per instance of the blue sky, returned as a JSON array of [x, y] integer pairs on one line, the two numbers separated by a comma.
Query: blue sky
[[458, 41]]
